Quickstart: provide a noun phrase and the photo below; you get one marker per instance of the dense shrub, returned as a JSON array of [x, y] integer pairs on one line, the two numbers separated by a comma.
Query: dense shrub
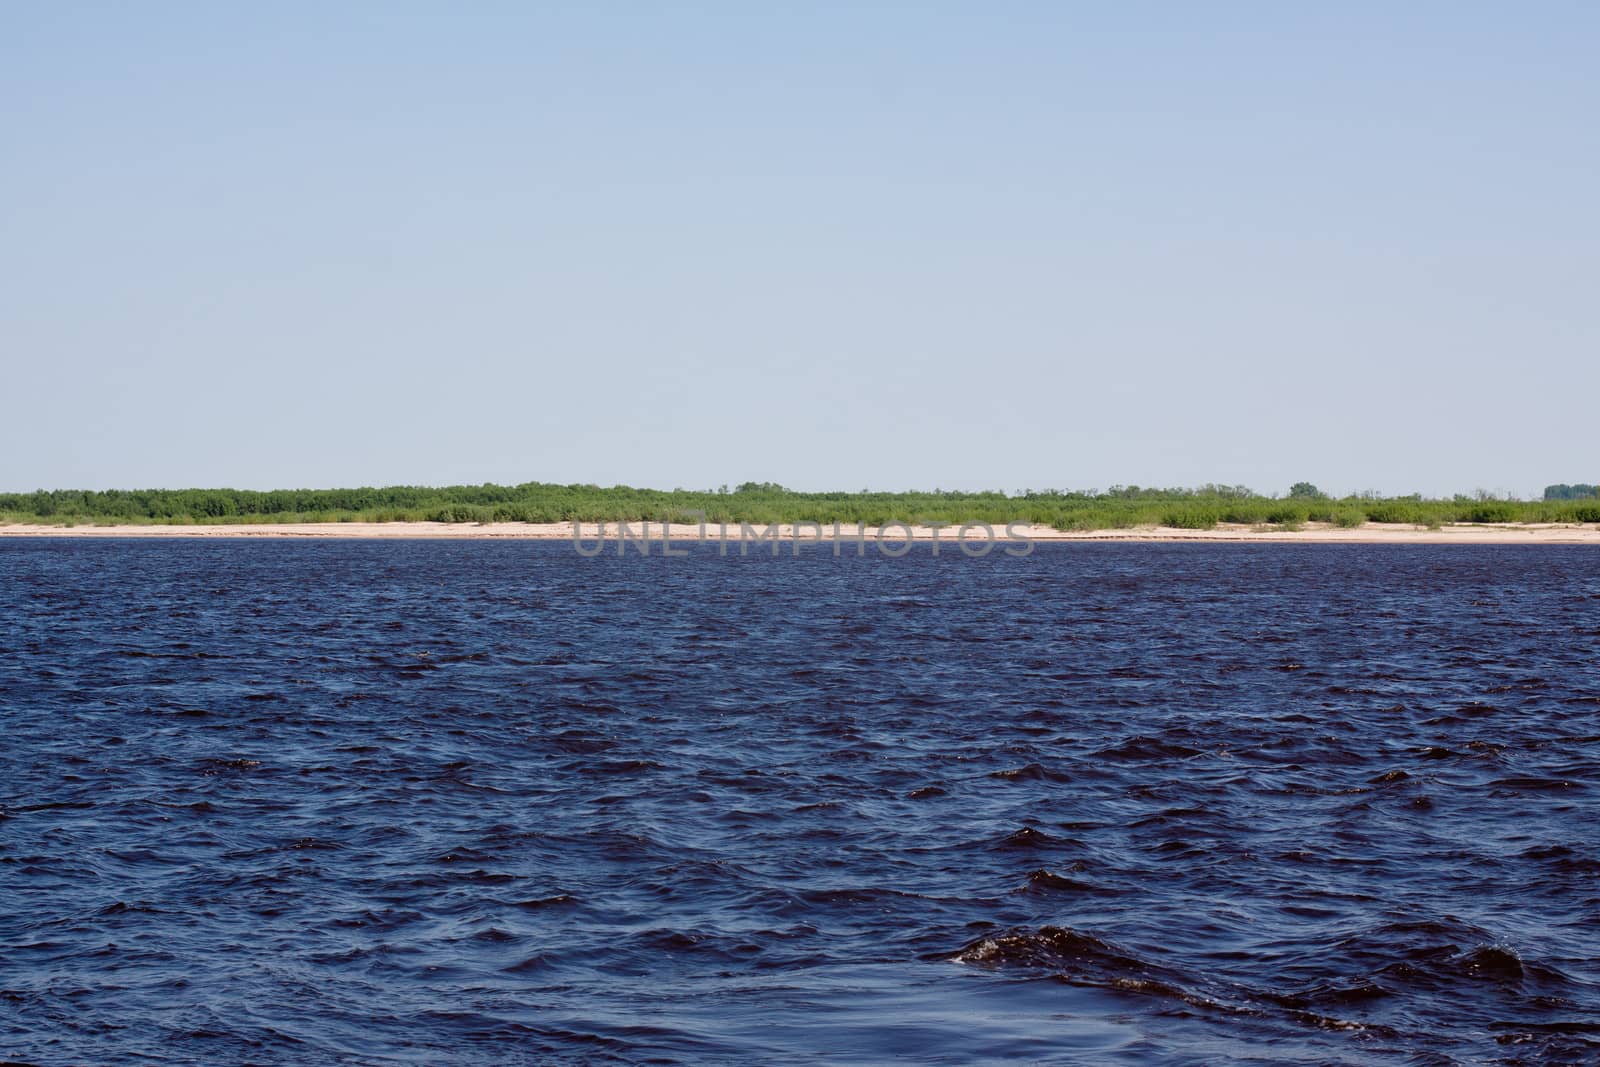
[[765, 502], [1393, 511], [1244, 511], [1191, 518], [1490, 511]]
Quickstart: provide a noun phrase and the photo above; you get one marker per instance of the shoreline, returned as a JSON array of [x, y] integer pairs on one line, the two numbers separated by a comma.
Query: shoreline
[[1312, 533]]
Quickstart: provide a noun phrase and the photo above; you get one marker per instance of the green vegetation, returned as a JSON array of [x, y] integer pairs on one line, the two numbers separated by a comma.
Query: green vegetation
[[1571, 492], [764, 502]]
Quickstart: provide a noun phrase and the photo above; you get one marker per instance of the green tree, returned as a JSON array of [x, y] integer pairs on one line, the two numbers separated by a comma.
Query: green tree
[[1571, 492], [1304, 491]]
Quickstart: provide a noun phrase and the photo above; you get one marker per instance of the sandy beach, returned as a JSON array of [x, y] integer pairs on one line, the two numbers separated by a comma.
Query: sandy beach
[[1370, 533]]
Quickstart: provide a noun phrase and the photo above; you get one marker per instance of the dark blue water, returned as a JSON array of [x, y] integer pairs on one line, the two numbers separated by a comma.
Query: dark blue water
[[486, 803]]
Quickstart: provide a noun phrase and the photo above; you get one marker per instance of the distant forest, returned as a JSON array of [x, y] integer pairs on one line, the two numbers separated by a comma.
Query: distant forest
[[1572, 492], [765, 502]]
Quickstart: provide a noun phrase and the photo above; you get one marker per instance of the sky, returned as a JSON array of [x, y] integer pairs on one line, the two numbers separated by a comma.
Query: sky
[[834, 246]]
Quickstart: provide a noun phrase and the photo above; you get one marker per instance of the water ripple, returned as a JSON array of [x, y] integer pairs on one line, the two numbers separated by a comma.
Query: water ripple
[[484, 802]]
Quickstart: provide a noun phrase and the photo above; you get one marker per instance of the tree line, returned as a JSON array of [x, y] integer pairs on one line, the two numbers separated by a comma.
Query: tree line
[[1572, 492], [766, 502]]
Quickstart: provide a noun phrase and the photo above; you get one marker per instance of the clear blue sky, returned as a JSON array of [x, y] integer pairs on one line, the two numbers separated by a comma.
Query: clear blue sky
[[886, 245]]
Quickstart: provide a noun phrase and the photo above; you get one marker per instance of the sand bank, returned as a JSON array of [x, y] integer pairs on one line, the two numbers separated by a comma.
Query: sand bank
[[1370, 533]]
